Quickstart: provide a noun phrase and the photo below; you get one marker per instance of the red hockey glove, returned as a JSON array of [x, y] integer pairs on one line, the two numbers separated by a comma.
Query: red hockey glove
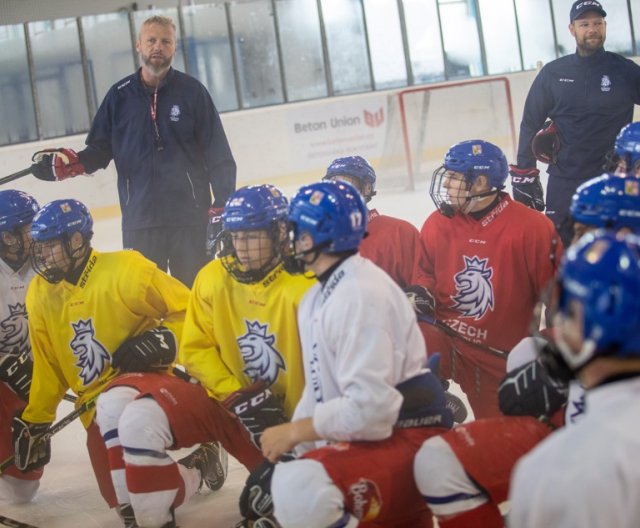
[[56, 164], [214, 228], [527, 188]]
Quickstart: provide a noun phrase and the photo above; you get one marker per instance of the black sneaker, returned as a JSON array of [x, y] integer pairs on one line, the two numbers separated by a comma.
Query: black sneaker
[[211, 460]]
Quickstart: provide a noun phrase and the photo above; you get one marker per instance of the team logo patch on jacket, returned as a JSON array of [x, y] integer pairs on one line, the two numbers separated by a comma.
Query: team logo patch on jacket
[[364, 500], [475, 291], [605, 84], [15, 332], [92, 356], [174, 115], [262, 361]]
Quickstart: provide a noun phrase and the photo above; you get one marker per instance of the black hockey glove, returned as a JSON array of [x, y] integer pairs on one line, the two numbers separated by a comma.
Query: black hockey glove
[[530, 391], [150, 351], [16, 371], [214, 228], [555, 364], [526, 186], [30, 450], [257, 408], [454, 404], [421, 299], [255, 499]]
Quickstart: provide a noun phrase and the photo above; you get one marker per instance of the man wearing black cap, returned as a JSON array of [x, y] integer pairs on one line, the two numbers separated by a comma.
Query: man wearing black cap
[[589, 95]]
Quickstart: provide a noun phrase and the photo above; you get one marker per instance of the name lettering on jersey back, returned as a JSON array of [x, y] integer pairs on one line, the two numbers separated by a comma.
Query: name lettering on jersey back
[[331, 285], [87, 270], [496, 211]]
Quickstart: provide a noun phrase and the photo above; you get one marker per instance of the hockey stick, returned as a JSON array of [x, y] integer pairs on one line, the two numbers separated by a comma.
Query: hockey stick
[[55, 428], [446, 329], [16, 175], [5, 521]]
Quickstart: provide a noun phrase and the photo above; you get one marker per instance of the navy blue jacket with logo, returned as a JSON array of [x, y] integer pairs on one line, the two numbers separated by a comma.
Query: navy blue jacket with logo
[[164, 187], [590, 99]]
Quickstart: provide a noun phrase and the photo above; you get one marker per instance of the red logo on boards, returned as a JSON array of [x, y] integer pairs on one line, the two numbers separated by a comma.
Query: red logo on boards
[[374, 119]]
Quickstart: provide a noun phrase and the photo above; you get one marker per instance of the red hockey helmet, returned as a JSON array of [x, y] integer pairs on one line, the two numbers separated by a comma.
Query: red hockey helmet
[[546, 143]]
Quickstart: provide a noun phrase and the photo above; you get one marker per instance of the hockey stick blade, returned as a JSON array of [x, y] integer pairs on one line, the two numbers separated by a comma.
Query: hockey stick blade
[[16, 175], [446, 329], [5, 521], [55, 428]]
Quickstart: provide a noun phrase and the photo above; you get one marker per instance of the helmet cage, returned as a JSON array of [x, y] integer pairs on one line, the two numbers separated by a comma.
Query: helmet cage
[[51, 264], [17, 210], [270, 250]]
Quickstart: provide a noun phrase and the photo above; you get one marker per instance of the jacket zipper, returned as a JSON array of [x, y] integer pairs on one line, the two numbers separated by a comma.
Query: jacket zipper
[[193, 191]]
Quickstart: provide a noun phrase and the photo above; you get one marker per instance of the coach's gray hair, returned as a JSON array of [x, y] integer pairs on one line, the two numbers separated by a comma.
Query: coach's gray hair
[[160, 20]]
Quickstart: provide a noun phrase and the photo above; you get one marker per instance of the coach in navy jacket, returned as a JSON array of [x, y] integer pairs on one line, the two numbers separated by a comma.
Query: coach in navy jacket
[[590, 96], [166, 139]]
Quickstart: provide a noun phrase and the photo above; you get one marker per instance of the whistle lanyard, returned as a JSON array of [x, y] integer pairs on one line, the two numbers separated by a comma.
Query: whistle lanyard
[[154, 114]]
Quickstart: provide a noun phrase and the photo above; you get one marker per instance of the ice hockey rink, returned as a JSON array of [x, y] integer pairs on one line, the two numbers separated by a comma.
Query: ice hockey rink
[[68, 495]]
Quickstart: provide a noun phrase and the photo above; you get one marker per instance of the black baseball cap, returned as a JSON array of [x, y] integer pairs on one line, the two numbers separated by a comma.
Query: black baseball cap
[[580, 7]]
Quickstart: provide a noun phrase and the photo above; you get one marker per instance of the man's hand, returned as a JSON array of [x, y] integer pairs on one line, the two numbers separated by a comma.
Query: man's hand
[[280, 439], [527, 188], [56, 164]]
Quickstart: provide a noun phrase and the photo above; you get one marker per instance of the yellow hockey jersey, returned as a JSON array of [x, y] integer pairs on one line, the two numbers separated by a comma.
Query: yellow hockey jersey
[[237, 333], [74, 329]]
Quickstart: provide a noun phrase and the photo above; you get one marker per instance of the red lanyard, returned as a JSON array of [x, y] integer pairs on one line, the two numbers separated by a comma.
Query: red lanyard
[[154, 113]]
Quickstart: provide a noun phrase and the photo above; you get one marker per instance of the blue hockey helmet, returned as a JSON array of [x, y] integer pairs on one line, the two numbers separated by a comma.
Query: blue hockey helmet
[[476, 157], [472, 159], [608, 201], [602, 272], [60, 219], [17, 209], [254, 207], [627, 146], [333, 213], [357, 171]]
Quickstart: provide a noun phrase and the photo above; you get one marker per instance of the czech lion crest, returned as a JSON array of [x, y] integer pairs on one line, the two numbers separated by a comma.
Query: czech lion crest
[[474, 289], [262, 361]]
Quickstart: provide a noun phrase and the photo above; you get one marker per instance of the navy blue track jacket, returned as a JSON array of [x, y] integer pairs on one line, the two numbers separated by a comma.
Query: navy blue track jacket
[[169, 187], [590, 99]]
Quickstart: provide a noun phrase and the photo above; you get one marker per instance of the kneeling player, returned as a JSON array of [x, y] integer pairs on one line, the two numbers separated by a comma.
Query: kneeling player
[[464, 475], [17, 210], [367, 404]]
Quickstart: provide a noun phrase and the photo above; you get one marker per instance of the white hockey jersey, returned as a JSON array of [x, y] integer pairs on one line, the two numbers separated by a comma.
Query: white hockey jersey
[[359, 339], [584, 475]]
